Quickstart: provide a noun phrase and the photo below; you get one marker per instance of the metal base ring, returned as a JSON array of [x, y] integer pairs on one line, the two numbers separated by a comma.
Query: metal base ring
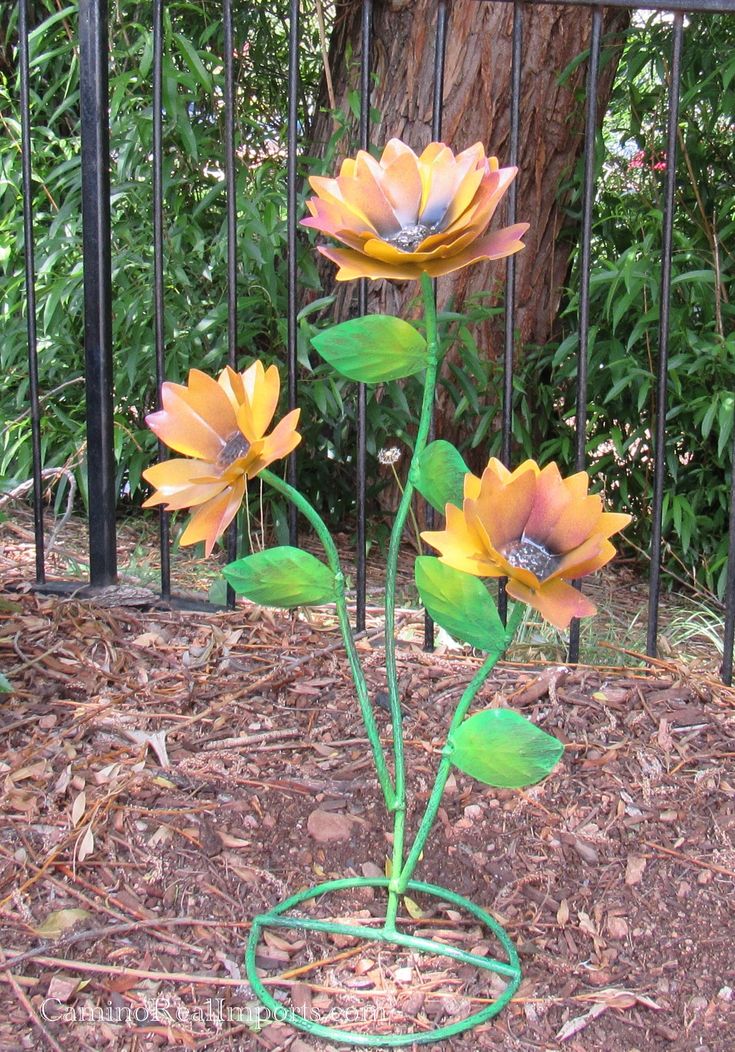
[[276, 918]]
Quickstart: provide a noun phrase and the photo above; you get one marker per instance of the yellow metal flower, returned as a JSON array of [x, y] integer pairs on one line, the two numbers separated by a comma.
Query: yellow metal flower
[[535, 528], [221, 424], [405, 215]]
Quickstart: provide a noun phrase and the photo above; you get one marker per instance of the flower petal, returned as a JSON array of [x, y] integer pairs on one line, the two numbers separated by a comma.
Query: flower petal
[[578, 484], [231, 383], [281, 441], [401, 185], [196, 419], [577, 522], [461, 546], [440, 176], [182, 483], [552, 497], [210, 520], [354, 264], [556, 601], [472, 486], [464, 195], [612, 522], [366, 195], [504, 519], [262, 387], [497, 245], [588, 557]]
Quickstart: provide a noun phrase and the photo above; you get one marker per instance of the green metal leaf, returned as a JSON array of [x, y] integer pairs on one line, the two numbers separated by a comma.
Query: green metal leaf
[[460, 603], [440, 475], [373, 349], [282, 577], [502, 748]]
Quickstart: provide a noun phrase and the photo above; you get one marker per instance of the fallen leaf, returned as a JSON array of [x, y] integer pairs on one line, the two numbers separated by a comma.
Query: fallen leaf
[[62, 782], [78, 808], [412, 908], [149, 639], [573, 1026], [228, 840], [279, 943], [155, 739], [34, 770], [634, 869], [612, 997], [106, 774], [86, 844], [60, 921]]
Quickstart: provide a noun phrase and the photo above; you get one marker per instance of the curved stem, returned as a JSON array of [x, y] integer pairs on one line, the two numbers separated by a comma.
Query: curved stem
[[445, 766], [363, 697], [432, 366]]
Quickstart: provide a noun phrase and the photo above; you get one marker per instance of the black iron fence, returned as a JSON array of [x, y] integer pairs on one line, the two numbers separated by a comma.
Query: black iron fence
[[99, 298]]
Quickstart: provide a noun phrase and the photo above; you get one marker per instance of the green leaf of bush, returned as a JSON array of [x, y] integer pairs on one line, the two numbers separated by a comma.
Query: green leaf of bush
[[502, 748], [460, 603], [440, 475], [282, 577], [373, 349]]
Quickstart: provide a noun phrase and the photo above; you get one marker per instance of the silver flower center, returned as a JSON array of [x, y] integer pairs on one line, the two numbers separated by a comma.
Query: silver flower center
[[235, 447], [528, 555], [410, 237]]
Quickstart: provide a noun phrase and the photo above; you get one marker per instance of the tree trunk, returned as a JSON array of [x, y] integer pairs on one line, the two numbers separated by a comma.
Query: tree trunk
[[477, 91]]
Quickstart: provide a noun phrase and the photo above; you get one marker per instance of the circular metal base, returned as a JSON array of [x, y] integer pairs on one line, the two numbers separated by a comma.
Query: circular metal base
[[276, 918]]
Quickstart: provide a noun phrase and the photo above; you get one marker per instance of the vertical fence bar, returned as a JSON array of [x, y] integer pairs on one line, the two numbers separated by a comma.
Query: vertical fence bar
[[293, 112], [437, 115], [30, 274], [361, 540], [231, 212], [93, 57], [659, 446], [158, 306], [729, 637], [510, 264], [440, 53], [590, 133]]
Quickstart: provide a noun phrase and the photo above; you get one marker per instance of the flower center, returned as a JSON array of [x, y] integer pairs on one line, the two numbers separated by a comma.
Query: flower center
[[235, 447], [410, 237], [527, 555]]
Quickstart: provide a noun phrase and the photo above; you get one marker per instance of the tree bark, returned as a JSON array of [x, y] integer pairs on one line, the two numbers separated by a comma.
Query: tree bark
[[477, 91]]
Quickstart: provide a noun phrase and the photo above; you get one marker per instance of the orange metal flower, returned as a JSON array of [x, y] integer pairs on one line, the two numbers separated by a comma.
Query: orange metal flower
[[405, 215], [221, 424], [535, 528]]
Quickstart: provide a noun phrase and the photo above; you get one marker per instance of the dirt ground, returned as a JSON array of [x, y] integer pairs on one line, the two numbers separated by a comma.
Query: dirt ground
[[167, 775]]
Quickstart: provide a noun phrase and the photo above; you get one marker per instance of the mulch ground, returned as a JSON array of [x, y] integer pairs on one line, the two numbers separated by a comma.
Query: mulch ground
[[167, 775]]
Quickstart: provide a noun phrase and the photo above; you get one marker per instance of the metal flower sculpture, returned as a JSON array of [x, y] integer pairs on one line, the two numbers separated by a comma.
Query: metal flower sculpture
[[222, 424], [400, 217], [404, 216], [535, 528]]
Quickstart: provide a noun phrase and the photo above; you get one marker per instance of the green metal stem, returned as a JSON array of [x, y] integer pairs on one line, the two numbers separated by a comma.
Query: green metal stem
[[363, 696], [399, 807], [445, 765]]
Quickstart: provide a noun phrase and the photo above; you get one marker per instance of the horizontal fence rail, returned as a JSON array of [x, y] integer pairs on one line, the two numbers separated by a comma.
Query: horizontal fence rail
[[99, 295]]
